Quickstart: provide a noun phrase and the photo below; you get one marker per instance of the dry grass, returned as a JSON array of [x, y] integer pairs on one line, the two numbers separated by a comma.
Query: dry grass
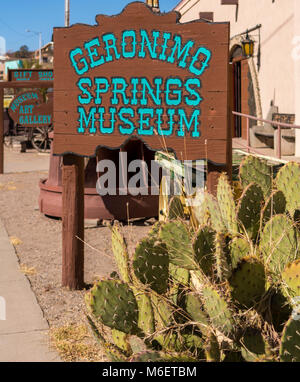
[[15, 241], [75, 344], [27, 270]]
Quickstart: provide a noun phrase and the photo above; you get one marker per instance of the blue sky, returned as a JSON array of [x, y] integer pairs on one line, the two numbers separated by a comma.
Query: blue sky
[[37, 15]]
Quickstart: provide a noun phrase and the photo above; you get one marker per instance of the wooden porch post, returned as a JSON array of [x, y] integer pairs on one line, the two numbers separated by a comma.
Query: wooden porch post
[[73, 222]]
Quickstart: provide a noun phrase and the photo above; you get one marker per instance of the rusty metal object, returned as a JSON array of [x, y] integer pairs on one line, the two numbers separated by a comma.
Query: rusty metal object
[[107, 207]]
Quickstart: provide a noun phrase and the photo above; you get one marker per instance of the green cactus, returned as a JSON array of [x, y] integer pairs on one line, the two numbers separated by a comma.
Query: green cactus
[[212, 349], [279, 244], [290, 349], [162, 310], [222, 267], [287, 181], [253, 345], [121, 341], [148, 356], [281, 310], [218, 310], [151, 264], [114, 304], [204, 247], [175, 209], [193, 306], [112, 351], [239, 248], [207, 211], [120, 252], [275, 204], [177, 239], [145, 312], [253, 169], [291, 278], [178, 277], [226, 204], [249, 209], [248, 282]]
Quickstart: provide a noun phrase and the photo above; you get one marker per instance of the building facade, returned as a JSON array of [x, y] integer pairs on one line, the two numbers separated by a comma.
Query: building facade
[[272, 75]]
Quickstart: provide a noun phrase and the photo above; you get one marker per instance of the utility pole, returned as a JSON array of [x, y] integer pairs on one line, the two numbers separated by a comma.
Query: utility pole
[[67, 13], [40, 48], [154, 4]]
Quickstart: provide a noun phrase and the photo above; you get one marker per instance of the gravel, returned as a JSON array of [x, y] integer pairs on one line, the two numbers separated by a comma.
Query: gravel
[[40, 247]]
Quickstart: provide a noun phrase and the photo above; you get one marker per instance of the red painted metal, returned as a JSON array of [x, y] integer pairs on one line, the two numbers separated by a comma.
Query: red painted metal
[[95, 206]]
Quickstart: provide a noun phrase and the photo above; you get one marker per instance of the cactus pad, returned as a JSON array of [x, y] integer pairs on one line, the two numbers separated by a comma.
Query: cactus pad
[[120, 252], [276, 204], [249, 209], [279, 244], [238, 249], [290, 342], [291, 277], [175, 209], [218, 310], [177, 239], [221, 262], [226, 204], [204, 246], [253, 169], [151, 264], [288, 181], [114, 304], [248, 282], [207, 211], [253, 345]]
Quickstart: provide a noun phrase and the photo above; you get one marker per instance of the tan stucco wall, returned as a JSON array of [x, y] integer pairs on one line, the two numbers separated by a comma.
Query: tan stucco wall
[[277, 73]]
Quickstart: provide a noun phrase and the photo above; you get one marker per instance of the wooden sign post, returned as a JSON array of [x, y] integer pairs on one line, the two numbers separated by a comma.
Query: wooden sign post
[[138, 74]]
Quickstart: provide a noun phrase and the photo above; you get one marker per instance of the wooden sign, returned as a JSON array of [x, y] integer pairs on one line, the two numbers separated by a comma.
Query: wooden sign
[[29, 109], [15, 75], [146, 75]]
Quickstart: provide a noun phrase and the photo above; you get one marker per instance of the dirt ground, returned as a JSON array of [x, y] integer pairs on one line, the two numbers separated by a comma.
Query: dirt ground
[[39, 249]]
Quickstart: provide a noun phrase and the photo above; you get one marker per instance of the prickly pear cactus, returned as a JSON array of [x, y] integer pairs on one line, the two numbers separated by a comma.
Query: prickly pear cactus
[[207, 211], [291, 278], [253, 169], [239, 248], [204, 247], [222, 266], [145, 312], [114, 304], [176, 209], [194, 308], [120, 252], [249, 208], [253, 345], [151, 264], [177, 239], [290, 349], [218, 310], [275, 204], [248, 282], [288, 181], [279, 244], [226, 204]]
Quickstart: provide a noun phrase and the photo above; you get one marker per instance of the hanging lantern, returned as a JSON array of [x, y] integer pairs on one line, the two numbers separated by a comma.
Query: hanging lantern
[[248, 46]]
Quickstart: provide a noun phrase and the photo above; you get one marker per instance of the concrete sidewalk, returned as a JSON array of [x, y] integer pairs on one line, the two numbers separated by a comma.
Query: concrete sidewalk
[[15, 161], [24, 332]]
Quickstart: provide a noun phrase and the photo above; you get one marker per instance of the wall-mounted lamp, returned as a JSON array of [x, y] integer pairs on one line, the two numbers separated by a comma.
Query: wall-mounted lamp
[[248, 46]]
